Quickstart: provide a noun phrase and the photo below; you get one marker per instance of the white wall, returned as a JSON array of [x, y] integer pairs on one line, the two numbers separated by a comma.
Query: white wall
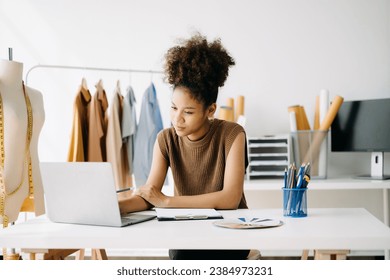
[[286, 51]]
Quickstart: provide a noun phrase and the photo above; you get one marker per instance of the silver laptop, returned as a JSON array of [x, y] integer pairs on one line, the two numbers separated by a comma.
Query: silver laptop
[[84, 193]]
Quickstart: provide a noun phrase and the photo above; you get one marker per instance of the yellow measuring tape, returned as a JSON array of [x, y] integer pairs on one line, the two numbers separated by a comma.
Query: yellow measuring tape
[[3, 191]]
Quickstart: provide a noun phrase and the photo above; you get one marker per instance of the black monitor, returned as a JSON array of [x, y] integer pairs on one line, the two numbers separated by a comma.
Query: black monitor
[[364, 126]]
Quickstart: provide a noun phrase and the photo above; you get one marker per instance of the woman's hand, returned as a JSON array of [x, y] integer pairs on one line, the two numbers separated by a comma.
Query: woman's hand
[[129, 202], [152, 195]]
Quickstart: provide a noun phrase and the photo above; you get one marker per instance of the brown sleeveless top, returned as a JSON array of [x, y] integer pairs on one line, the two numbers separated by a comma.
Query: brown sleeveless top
[[198, 167]]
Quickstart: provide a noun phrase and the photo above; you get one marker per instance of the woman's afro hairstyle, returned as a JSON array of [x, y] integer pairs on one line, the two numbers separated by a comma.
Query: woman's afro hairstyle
[[200, 66]]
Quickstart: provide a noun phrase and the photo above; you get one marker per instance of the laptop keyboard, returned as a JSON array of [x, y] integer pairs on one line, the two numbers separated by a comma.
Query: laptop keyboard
[[134, 218], [127, 220]]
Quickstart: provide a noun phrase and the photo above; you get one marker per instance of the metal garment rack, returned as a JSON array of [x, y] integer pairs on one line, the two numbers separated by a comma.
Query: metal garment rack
[[90, 69]]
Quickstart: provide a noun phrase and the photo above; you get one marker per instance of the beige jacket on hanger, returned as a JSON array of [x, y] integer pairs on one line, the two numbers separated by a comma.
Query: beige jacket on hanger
[[116, 149], [78, 150], [98, 125]]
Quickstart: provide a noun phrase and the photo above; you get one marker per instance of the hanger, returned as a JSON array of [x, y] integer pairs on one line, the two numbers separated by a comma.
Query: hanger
[[99, 87], [118, 90], [84, 89], [84, 83]]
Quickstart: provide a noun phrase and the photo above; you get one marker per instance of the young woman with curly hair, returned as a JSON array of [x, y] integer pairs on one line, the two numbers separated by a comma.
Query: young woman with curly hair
[[207, 156]]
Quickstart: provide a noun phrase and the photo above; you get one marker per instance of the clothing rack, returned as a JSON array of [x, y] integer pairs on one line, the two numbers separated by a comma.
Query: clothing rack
[[89, 69], [99, 253]]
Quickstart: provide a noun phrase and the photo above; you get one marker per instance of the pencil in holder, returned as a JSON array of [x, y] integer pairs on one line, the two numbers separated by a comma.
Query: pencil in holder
[[295, 202]]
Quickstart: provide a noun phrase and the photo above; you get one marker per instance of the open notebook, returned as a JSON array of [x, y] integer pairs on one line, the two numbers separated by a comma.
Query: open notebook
[[177, 214], [84, 193]]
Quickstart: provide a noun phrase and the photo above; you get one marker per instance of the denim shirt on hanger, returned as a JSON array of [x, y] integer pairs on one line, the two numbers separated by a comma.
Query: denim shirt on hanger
[[149, 125], [129, 125]]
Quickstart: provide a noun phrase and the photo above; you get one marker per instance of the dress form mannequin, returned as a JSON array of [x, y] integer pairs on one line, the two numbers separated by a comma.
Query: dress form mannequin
[[15, 135]]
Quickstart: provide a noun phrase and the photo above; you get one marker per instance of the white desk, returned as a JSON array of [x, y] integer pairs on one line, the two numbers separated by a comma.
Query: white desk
[[352, 228], [344, 185], [330, 184]]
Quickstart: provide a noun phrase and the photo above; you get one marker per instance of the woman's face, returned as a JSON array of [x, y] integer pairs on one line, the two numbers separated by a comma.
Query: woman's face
[[188, 116]]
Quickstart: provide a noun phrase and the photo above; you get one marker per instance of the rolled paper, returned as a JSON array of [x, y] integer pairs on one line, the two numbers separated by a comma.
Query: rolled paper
[[314, 147], [295, 109], [240, 107], [241, 120], [300, 115], [317, 114], [325, 125], [317, 120], [230, 102], [334, 108], [324, 104], [306, 125], [226, 113], [293, 121]]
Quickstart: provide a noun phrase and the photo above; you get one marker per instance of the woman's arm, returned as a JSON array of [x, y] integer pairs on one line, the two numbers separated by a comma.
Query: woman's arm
[[133, 203], [155, 182], [228, 198]]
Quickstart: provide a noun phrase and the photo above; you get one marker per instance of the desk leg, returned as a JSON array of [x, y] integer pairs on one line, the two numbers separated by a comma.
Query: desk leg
[[58, 254], [98, 254], [386, 212], [305, 255], [33, 256], [80, 255], [331, 254]]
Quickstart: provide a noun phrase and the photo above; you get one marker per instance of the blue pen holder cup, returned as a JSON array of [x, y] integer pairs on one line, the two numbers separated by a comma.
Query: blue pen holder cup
[[295, 202]]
